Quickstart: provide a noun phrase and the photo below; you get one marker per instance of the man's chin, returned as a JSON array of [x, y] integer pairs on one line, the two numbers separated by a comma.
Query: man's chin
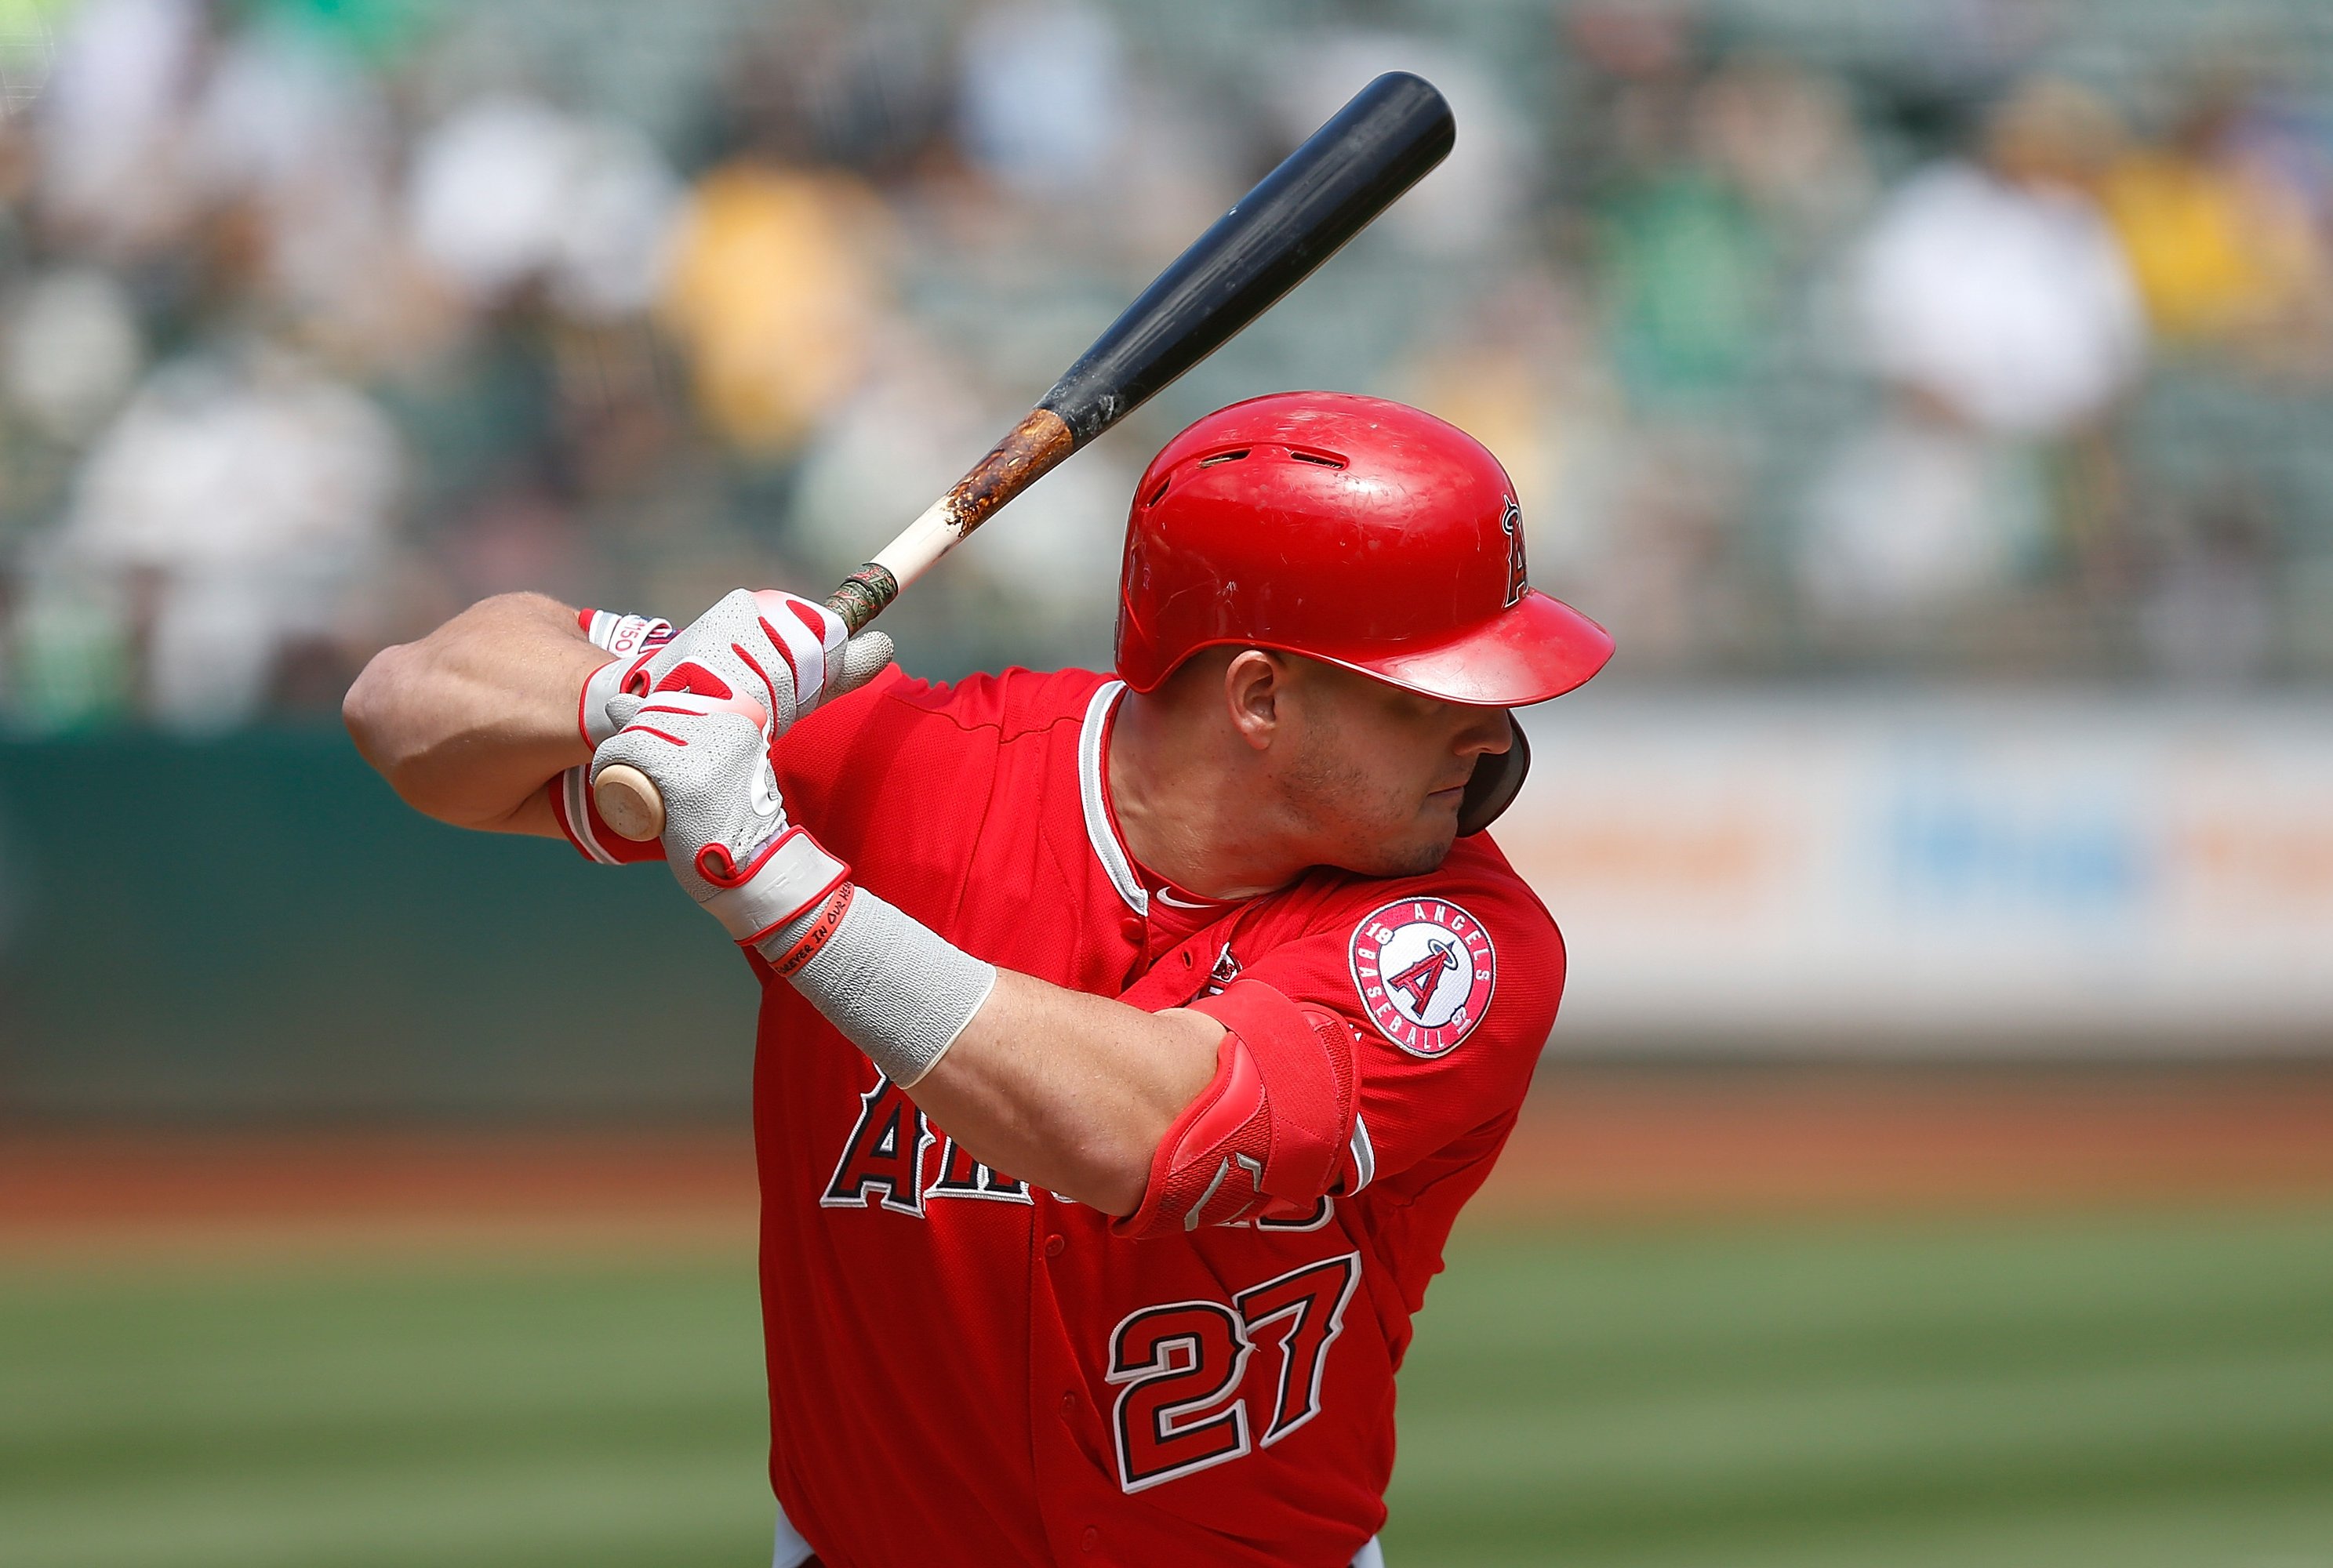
[[1414, 857]]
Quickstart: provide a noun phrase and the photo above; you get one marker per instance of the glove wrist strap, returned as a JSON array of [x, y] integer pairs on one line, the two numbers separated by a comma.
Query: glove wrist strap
[[791, 877]]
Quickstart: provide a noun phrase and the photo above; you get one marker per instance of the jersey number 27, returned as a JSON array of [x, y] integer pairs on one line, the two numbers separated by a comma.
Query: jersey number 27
[[1180, 1366]]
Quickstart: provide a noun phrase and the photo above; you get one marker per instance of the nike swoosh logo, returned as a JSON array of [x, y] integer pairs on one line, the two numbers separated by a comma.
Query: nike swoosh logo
[[767, 801]]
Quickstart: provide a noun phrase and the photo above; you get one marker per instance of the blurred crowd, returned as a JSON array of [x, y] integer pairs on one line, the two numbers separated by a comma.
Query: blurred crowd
[[1956, 353]]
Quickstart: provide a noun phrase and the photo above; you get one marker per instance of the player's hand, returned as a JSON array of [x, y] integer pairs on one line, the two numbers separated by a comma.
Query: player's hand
[[633, 640], [784, 654], [726, 833]]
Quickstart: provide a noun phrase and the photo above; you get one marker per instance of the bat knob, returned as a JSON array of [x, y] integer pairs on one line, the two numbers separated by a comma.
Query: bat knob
[[629, 802]]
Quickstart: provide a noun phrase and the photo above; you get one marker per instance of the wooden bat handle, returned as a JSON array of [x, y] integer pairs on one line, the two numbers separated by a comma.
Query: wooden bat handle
[[628, 798], [629, 802], [1026, 454]]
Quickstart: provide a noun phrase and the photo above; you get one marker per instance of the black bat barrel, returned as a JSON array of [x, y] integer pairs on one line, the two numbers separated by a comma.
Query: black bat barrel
[[1323, 193]]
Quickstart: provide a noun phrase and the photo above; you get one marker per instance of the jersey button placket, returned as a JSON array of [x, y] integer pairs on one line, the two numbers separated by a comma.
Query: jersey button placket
[[1092, 1542], [1055, 1245]]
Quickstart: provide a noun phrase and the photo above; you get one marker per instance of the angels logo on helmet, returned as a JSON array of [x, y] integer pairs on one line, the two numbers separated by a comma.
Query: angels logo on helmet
[[1511, 522], [1424, 969]]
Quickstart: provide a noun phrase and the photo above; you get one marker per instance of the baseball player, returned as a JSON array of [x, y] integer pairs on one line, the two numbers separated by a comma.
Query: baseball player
[[1128, 1043]]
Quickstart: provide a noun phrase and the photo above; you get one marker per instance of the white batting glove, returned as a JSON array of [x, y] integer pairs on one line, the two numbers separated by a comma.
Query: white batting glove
[[787, 655], [726, 833]]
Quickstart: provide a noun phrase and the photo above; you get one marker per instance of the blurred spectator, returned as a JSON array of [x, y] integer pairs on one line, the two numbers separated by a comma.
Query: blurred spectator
[[1996, 288], [114, 175], [294, 149], [2224, 240], [1688, 243], [71, 353], [1042, 95], [509, 193], [1688, 280], [1785, 138], [1993, 298], [650, 320], [222, 523], [775, 285], [1917, 515], [779, 261]]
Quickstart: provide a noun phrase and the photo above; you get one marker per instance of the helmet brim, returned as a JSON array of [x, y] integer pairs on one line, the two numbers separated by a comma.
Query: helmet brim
[[1538, 647]]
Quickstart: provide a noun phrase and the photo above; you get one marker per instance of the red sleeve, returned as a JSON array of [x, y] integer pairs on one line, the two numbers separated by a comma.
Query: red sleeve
[[586, 829], [1451, 991]]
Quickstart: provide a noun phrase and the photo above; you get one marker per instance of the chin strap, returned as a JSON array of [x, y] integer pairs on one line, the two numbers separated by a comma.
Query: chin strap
[[1498, 777]]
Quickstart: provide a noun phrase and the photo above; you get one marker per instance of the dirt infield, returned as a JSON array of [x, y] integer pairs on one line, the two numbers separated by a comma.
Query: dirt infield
[[1592, 1144], [1607, 1142]]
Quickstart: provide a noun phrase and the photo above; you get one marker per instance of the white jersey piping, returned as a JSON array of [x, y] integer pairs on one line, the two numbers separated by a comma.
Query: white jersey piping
[[1090, 794]]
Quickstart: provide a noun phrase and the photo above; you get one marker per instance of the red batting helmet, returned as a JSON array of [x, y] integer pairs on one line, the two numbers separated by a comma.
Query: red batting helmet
[[1352, 529]]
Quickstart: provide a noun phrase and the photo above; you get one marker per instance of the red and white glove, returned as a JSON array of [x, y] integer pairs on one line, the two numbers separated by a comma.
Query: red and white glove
[[633, 639], [894, 989], [784, 654], [726, 833]]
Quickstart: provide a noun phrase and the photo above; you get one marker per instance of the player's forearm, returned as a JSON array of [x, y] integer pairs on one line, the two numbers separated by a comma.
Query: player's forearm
[[1068, 1091], [1073, 1092], [467, 723]]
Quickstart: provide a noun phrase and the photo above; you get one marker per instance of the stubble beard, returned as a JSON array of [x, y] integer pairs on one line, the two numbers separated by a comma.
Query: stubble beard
[[1389, 838]]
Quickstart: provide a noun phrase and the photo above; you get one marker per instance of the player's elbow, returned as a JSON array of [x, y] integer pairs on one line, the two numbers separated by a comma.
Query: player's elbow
[[1119, 1173], [1109, 1166]]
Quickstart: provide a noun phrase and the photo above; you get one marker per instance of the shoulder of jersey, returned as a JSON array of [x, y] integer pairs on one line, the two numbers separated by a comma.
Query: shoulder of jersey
[[1431, 955], [1474, 872], [1014, 701]]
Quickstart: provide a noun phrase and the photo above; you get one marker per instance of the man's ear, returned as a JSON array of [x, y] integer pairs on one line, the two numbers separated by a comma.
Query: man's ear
[[1255, 685]]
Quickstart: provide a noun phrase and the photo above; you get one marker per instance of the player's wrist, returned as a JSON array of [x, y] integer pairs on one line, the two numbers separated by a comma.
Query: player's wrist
[[805, 937], [780, 883], [890, 984]]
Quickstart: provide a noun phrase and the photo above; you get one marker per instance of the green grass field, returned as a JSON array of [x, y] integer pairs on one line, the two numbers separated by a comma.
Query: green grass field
[[2067, 1391]]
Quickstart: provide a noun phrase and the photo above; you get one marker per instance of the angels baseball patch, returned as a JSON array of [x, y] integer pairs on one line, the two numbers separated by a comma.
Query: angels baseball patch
[[1424, 969]]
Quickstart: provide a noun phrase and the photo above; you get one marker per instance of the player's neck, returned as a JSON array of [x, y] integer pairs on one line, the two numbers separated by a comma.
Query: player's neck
[[1188, 807]]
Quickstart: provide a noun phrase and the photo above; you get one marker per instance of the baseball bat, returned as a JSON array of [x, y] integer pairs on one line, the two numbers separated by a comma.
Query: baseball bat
[[1299, 215]]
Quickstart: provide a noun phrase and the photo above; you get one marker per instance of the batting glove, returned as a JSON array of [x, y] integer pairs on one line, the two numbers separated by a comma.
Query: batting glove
[[634, 640], [726, 833], [784, 654]]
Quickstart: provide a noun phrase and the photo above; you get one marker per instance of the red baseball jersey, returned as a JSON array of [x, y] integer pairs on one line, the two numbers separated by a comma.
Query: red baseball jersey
[[965, 1369]]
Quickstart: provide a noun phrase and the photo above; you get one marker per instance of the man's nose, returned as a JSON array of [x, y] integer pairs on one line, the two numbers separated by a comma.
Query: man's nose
[[1488, 732]]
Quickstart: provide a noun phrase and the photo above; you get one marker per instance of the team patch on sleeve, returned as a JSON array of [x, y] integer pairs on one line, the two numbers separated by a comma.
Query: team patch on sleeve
[[1425, 969]]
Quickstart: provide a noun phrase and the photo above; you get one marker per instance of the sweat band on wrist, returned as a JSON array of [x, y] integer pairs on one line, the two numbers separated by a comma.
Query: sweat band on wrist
[[822, 928], [894, 988]]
